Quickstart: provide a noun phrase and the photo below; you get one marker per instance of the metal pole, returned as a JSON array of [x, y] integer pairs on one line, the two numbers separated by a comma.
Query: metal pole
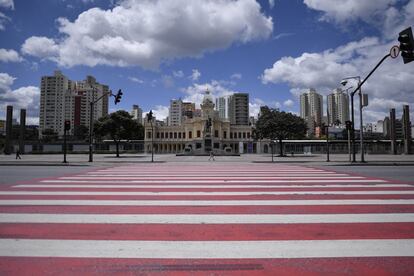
[[327, 129], [152, 142], [64, 145], [361, 131], [90, 132], [349, 144], [353, 128]]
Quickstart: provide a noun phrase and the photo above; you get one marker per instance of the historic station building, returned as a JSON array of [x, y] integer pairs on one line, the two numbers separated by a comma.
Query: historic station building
[[200, 134]]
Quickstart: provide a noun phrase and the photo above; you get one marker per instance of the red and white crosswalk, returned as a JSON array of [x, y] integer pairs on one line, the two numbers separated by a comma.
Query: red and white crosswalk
[[221, 218]]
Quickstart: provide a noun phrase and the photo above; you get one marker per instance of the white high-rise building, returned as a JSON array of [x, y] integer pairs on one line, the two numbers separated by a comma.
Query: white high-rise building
[[311, 106], [175, 113], [338, 107], [62, 99], [238, 111], [137, 113], [222, 107]]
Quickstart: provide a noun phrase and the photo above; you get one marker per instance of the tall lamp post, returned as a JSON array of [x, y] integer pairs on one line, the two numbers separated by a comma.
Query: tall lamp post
[[92, 103], [344, 82]]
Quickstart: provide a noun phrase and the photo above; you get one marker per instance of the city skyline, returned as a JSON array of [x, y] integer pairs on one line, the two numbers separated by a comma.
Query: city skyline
[[273, 50]]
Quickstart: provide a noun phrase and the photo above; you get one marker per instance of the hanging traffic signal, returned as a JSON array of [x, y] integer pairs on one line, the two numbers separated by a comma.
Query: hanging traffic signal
[[150, 116], [406, 45], [67, 125], [348, 125], [118, 96]]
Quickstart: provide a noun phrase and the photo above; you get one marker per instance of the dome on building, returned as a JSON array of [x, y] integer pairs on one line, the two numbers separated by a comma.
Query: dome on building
[[208, 99]]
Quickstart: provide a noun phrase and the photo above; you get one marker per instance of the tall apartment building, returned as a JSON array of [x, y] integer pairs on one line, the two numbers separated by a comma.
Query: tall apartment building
[[311, 106], [238, 112], [338, 107], [175, 112], [63, 99], [188, 110], [222, 107], [137, 113]]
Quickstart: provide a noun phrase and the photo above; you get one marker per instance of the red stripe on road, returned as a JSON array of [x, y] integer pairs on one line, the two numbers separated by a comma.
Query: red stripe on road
[[207, 232], [299, 209], [377, 266], [206, 197]]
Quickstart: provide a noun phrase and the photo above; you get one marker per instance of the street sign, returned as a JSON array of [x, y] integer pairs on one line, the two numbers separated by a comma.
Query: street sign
[[395, 51]]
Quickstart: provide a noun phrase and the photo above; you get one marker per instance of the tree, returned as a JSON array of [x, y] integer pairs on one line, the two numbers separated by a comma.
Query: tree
[[80, 132], [118, 126], [49, 135], [279, 125]]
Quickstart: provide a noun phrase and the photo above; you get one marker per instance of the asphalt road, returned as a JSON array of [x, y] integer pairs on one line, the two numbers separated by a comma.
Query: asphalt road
[[13, 174], [394, 173]]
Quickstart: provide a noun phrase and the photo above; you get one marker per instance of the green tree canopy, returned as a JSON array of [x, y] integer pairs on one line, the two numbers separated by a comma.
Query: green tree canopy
[[119, 126], [279, 125]]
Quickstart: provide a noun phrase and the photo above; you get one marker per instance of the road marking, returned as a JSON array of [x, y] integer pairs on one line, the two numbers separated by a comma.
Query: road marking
[[120, 186], [410, 192], [205, 219], [214, 177], [206, 249], [58, 202], [221, 181]]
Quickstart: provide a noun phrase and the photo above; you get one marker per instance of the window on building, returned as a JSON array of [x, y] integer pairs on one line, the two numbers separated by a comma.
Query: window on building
[[158, 135], [149, 135], [231, 135], [198, 145], [198, 133], [179, 135], [216, 145], [175, 135], [239, 135], [171, 135], [244, 135], [162, 135], [216, 133], [190, 135], [248, 135], [183, 135], [224, 134]]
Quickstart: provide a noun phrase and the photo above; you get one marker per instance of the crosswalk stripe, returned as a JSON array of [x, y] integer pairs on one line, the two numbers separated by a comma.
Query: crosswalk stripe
[[219, 181], [323, 192], [213, 177], [207, 249], [120, 186], [206, 202], [207, 219]]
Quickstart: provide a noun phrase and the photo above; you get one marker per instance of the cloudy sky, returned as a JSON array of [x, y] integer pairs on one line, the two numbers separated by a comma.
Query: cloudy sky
[[157, 50]]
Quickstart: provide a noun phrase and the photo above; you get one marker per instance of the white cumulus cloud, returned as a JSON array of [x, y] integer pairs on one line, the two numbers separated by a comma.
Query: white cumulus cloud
[[147, 33], [24, 97], [9, 56], [195, 75]]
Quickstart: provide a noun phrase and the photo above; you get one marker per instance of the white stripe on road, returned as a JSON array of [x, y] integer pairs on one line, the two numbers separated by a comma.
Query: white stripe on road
[[120, 186], [221, 181], [207, 249], [410, 192], [64, 202], [210, 174], [206, 219], [212, 177]]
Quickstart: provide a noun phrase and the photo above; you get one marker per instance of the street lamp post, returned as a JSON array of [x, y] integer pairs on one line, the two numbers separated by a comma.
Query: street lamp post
[[344, 82], [327, 129]]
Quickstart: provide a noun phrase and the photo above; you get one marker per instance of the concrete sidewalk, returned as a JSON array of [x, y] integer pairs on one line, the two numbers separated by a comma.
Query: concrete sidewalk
[[108, 159]]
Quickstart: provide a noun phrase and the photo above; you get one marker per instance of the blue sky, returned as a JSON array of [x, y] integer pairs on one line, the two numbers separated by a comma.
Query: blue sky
[[159, 50]]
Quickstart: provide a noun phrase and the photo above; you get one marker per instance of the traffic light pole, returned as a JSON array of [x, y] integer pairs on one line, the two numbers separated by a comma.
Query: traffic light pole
[[152, 142], [64, 146], [91, 105]]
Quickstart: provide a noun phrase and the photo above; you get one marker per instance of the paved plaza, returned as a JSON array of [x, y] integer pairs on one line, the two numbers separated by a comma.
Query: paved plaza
[[240, 218]]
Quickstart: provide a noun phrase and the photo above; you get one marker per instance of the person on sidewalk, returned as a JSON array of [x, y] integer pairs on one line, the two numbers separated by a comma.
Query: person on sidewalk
[[211, 156], [18, 154]]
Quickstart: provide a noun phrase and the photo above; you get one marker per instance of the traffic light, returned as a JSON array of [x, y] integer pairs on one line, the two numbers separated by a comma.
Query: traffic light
[[348, 125], [118, 96], [67, 125], [150, 116], [406, 45]]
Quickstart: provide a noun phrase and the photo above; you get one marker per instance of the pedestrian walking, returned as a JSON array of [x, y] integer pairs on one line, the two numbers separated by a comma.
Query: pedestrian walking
[[211, 156], [18, 154]]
